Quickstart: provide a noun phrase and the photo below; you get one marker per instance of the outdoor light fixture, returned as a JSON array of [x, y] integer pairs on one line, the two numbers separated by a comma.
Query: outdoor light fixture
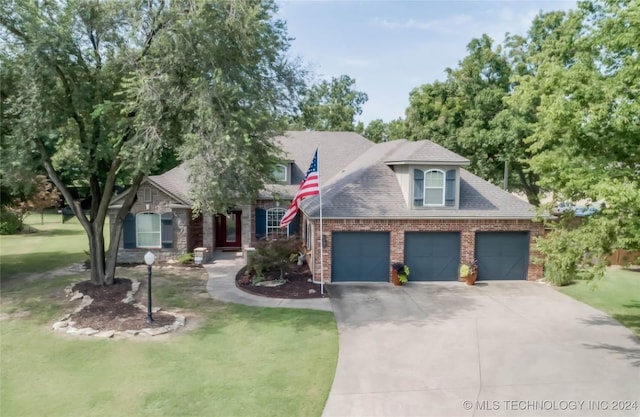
[[149, 258]]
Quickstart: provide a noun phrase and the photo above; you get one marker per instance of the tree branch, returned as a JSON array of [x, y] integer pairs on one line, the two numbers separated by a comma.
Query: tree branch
[[53, 175]]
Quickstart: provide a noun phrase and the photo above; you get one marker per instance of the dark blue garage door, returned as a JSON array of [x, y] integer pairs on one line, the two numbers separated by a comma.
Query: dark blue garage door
[[502, 255], [432, 256], [360, 256]]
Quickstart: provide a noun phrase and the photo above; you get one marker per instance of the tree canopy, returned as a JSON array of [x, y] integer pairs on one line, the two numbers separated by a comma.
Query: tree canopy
[[330, 105], [586, 142], [101, 93]]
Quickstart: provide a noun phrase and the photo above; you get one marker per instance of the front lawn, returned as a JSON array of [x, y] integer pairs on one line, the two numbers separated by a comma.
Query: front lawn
[[50, 246], [239, 361], [617, 294], [232, 360]]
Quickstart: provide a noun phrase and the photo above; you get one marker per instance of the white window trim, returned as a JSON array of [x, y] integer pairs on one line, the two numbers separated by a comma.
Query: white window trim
[[269, 228], [286, 173], [159, 231], [444, 181]]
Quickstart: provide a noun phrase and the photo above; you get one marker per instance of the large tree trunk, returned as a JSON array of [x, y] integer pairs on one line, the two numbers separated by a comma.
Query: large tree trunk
[[96, 252]]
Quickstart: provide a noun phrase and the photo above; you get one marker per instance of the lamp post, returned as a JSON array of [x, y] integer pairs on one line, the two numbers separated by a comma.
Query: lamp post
[[148, 259]]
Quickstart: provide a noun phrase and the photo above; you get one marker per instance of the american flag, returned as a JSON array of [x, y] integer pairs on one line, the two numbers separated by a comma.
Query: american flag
[[309, 186]]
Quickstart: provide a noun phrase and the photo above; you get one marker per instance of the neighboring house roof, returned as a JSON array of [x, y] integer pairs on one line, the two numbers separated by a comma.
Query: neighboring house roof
[[368, 188]]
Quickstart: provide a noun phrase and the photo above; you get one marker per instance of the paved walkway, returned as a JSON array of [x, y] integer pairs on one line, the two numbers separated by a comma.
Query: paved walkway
[[222, 286]]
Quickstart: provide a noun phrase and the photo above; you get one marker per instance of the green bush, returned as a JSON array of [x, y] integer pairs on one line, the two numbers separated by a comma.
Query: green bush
[[274, 255], [10, 222], [186, 258]]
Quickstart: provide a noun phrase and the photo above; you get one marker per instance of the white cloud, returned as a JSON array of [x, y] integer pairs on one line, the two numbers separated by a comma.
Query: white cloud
[[443, 26]]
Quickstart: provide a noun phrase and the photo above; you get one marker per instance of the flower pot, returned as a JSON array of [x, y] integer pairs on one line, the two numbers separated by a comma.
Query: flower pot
[[394, 277], [471, 278]]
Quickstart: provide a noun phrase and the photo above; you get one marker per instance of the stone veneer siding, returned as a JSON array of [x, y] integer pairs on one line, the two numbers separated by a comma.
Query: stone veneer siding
[[160, 203], [397, 228]]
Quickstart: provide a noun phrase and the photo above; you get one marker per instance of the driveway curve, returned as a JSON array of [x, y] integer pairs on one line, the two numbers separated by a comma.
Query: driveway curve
[[494, 349]]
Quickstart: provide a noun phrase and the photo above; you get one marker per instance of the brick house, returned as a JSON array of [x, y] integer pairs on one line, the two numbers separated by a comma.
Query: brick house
[[398, 201]]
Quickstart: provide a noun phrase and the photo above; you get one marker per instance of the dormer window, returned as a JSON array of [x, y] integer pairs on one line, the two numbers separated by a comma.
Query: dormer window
[[434, 188], [280, 173]]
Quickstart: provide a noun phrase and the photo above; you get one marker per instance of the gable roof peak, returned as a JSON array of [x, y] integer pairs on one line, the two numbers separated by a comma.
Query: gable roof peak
[[424, 152]]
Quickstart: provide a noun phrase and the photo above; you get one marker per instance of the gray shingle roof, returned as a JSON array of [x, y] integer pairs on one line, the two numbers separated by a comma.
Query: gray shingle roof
[[336, 150], [174, 182], [424, 151], [358, 180], [368, 188]]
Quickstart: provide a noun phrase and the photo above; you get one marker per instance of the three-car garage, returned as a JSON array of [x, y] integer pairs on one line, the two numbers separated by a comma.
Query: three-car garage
[[363, 256]]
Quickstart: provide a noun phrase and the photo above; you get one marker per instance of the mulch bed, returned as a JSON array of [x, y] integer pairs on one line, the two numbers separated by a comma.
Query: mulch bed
[[108, 312], [297, 286]]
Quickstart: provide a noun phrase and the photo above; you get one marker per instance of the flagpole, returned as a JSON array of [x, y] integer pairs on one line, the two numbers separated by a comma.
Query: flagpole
[[321, 235]]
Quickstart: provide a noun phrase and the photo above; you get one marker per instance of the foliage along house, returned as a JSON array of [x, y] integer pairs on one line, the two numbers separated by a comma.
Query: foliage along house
[[403, 201]]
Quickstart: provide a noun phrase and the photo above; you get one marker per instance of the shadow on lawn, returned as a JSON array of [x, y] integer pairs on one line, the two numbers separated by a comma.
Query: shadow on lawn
[[35, 233], [16, 268]]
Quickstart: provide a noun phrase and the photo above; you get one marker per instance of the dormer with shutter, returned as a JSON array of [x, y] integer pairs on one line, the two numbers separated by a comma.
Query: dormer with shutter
[[428, 175]]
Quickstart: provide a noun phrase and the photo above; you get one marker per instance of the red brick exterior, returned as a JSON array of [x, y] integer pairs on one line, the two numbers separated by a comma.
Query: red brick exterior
[[397, 228]]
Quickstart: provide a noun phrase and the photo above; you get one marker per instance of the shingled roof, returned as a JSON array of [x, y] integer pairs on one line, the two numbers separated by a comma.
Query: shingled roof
[[336, 150], [174, 182], [424, 151], [358, 180], [369, 188]]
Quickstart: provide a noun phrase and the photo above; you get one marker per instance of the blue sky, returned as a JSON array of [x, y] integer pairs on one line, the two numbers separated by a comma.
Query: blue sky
[[391, 47]]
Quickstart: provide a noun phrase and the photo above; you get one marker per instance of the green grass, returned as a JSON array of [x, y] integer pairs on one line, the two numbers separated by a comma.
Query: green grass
[[617, 294], [52, 245], [238, 361]]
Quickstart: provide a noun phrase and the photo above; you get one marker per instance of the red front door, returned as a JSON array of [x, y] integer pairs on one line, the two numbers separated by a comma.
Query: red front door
[[228, 230]]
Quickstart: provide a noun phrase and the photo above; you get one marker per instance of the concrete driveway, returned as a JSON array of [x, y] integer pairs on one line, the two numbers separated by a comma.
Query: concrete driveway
[[494, 349]]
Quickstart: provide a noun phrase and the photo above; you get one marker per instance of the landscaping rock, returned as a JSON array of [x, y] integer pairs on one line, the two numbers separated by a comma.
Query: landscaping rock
[[76, 296], [60, 325], [275, 283], [156, 331], [106, 334], [180, 321], [312, 291]]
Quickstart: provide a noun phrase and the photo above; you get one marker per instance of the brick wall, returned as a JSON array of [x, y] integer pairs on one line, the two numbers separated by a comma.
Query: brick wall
[[397, 228]]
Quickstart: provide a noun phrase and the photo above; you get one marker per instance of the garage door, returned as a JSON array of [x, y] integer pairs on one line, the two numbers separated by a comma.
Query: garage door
[[502, 255], [432, 256], [360, 256]]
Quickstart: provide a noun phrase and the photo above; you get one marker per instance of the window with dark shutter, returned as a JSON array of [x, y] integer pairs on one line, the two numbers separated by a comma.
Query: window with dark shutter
[[294, 226], [167, 230], [418, 188], [450, 188], [129, 232]]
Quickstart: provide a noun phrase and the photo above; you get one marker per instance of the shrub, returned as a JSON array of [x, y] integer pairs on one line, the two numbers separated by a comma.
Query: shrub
[[10, 222], [186, 258], [274, 255]]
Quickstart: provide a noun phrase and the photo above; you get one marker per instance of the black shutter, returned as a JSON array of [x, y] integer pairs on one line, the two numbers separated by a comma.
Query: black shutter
[[418, 187], [166, 230], [294, 226], [261, 223], [450, 189], [129, 231]]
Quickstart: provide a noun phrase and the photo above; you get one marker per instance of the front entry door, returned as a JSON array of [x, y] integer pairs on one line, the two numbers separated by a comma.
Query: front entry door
[[228, 230]]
